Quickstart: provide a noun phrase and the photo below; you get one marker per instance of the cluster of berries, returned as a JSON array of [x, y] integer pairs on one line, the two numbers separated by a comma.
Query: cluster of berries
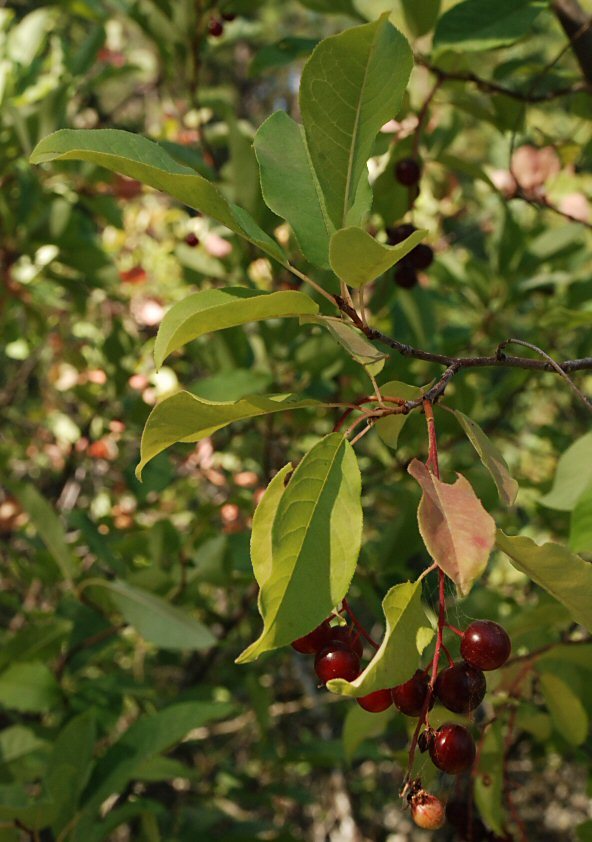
[[216, 23], [418, 259]]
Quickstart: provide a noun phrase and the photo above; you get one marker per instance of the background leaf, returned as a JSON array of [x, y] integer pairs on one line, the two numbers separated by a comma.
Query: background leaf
[[573, 476], [567, 711], [49, 527], [481, 25], [29, 687], [491, 458]]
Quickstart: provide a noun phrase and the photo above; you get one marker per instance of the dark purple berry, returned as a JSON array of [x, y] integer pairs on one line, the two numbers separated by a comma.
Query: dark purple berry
[[410, 697], [192, 240], [421, 257], [215, 27], [452, 749], [407, 172], [337, 661], [485, 645], [228, 16], [405, 275], [315, 640], [461, 687], [399, 233]]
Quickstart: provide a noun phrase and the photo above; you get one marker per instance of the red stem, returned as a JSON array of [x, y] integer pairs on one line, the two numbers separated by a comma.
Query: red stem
[[359, 626], [455, 630]]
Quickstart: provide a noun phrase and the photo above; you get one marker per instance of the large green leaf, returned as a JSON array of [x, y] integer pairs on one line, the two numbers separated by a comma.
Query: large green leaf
[[566, 576], [357, 258], [261, 541], [457, 531], [29, 687], [159, 622], [290, 185], [489, 778], [316, 539], [69, 766], [574, 475], [216, 309], [351, 86], [186, 418], [48, 526], [491, 458], [567, 711], [483, 25], [580, 534], [407, 634], [140, 158], [389, 428]]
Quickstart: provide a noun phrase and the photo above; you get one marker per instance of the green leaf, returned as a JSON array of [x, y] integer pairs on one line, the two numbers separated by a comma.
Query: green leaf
[[16, 742], [355, 343], [580, 535], [316, 539], [30, 688], [389, 428], [573, 477], [584, 831], [70, 762], [566, 576], [186, 418], [290, 185], [335, 7], [406, 635], [159, 622], [217, 309], [421, 15], [483, 25], [261, 543], [489, 779], [351, 86], [16, 805], [140, 158], [531, 720], [567, 712], [281, 53], [357, 258], [360, 725], [457, 531], [491, 458], [49, 527]]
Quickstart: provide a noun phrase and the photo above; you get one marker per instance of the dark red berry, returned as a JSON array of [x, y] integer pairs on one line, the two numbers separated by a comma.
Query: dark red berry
[[337, 661], [486, 645], [452, 749], [315, 640], [376, 702], [410, 697], [215, 27], [405, 276], [421, 257], [349, 637], [407, 171], [192, 240], [229, 16], [461, 687], [399, 233], [427, 811]]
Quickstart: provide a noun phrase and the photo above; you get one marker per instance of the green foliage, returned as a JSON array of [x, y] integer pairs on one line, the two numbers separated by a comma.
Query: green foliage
[[480, 25], [357, 258], [491, 458]]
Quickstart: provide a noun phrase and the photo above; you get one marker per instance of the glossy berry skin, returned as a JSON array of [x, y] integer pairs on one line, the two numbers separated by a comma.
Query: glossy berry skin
[[485, 645], [315, 640], [407, 172], [349, 637], [192, 240], [453, 749], [215, 27], [461, 688], [405, 275], [376, 702], [421, 257], [337, 661], [427, 811], [399, 233], [410, 697]]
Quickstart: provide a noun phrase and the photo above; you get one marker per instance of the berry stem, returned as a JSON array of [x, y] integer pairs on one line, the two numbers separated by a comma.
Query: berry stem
[[454, 629], [358, 625]]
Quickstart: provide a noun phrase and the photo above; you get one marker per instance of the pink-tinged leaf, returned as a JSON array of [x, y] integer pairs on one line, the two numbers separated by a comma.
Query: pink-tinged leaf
[[457, 531]]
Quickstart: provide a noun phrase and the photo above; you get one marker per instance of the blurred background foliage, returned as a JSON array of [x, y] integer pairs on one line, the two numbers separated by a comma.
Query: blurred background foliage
[[91, 702]]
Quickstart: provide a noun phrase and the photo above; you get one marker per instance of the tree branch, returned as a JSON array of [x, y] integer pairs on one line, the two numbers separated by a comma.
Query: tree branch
[[578, 28]]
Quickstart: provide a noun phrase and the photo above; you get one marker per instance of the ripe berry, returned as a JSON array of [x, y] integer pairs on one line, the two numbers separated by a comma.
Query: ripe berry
[[215, 27], [405, 276], [399, 233], [337, 661], [192, 240], [452, 749], [407, 172], [315, 640], [421, 257], [461, 687], [485, 645], [349, 637], [229, 16], [427, 811], [376, 702], [410, 697]]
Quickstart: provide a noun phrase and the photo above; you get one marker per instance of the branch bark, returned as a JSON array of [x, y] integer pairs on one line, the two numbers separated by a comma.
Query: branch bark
[[578, 28]]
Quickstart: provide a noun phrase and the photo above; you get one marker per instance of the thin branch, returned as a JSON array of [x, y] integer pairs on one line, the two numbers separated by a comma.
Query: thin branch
[[313, 284], [578, 28]]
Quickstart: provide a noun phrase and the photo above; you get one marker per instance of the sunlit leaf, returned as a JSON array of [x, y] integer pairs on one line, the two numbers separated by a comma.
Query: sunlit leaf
[[357, 258], [29, 687], [580, 535], [567, 711], [261, 533], [573, 476], [355, 343]]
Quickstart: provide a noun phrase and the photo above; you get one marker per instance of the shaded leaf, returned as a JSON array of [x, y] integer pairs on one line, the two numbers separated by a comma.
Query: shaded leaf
[[457, 531], [482, 25], [217, 309], [16, 742], [353, 340], [573, 476], [406, 636], [360, 725], [357, 258], [489, 779], [16, 805], [70, 763], [140, 158], [567, 711], [580, 534], [566, 576], [186, 418], [421, 15], [389, 428], [261, 533], [290, 185], [159, 622], [491, 457], [281, 53], [316, 539], [49, 527], [29, 687]]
